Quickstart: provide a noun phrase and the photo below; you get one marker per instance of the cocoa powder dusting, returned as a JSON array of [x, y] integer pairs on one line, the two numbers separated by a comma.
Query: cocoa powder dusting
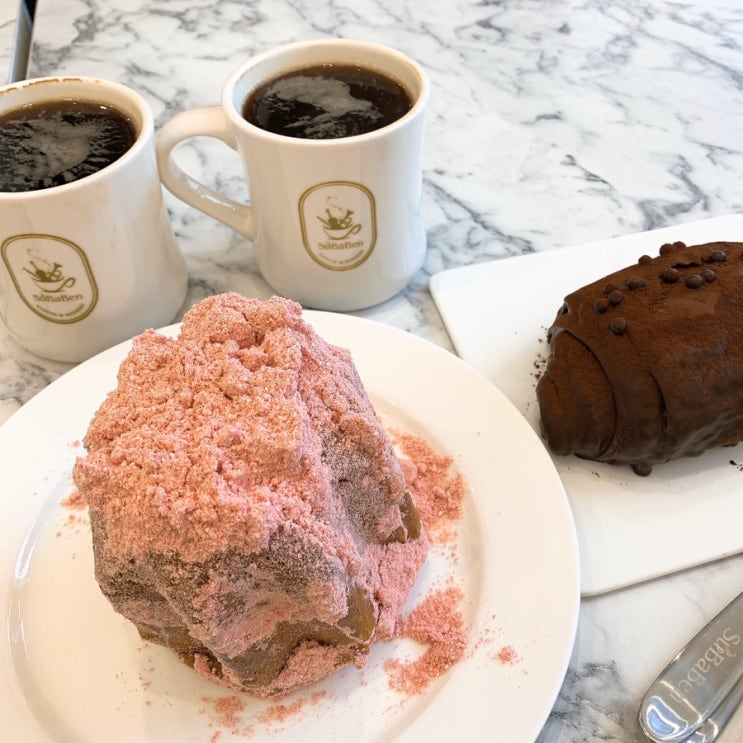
[[438, 623]]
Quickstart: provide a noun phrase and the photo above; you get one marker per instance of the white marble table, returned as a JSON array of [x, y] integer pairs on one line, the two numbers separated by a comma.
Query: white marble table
[[551, 124]]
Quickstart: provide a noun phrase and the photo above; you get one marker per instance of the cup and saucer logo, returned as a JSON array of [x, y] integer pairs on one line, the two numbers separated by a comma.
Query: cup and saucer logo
[[339, 224], [51, 275]]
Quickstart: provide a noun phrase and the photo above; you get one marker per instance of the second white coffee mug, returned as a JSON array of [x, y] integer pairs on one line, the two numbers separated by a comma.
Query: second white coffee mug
[[336, 224], [86, 263]]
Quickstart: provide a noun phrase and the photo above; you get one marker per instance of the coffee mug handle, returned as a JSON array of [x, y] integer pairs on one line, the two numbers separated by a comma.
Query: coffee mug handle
[[201, 122]]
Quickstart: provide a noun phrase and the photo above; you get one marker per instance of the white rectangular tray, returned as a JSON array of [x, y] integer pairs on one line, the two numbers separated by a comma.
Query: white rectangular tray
[[630, 528]]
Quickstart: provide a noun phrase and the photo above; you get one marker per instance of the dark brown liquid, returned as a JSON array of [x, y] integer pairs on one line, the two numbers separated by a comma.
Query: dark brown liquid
[[53, 143], [327, 102]]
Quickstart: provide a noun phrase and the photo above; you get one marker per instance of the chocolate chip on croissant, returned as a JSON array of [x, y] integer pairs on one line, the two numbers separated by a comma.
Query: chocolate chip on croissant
[[646, 364]]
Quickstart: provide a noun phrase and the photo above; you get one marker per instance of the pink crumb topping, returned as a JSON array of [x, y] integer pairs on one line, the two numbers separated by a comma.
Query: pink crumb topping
[[507, 654], [438, 623], [74, 500], [224, 441], [437, 489], [281, 712], [214, 450], [228, 709]]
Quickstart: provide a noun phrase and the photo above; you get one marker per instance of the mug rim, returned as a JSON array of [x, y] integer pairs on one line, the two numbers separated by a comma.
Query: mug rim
[[228, 104], [143, 122]]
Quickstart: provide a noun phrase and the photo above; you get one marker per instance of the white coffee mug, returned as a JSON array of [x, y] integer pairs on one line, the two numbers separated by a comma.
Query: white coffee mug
[[373, 179], [92, 262]]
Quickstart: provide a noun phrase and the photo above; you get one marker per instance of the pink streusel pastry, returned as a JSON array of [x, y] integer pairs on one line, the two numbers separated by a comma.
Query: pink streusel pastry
[[247, 507]]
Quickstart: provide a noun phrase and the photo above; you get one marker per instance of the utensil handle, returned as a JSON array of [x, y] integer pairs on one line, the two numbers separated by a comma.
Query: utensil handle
[[708, 731], [697, 680]]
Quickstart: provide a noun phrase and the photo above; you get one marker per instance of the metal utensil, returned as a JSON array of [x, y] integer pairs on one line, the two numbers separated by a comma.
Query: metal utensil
[[22, 41], [708, 731], [698, 684]]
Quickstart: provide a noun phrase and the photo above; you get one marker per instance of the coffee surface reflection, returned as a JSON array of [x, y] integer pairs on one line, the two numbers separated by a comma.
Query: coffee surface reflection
[[52, 143], [328, 101]]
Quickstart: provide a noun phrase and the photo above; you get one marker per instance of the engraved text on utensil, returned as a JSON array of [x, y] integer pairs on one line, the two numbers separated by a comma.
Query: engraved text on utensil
[[723, 648]]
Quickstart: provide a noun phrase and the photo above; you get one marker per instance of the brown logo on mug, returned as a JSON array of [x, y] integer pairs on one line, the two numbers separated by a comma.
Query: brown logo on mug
[[339, 224], [51, 275]]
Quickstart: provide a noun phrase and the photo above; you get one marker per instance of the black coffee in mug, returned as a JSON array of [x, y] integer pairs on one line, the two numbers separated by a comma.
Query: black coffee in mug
[[51, 143], [327, 101]]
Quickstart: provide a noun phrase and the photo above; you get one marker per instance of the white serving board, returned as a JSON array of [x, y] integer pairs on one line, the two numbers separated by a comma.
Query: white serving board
[[630, 528]]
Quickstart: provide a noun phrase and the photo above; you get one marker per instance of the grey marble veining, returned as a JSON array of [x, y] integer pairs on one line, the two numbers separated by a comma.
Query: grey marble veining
[[551, 124]]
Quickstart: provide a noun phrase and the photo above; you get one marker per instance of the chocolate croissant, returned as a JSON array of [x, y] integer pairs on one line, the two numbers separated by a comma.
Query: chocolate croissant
[[646, 364]]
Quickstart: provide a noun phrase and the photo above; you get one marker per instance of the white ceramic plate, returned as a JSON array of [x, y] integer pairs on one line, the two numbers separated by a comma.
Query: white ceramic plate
[[74, 670], [630, 528]]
